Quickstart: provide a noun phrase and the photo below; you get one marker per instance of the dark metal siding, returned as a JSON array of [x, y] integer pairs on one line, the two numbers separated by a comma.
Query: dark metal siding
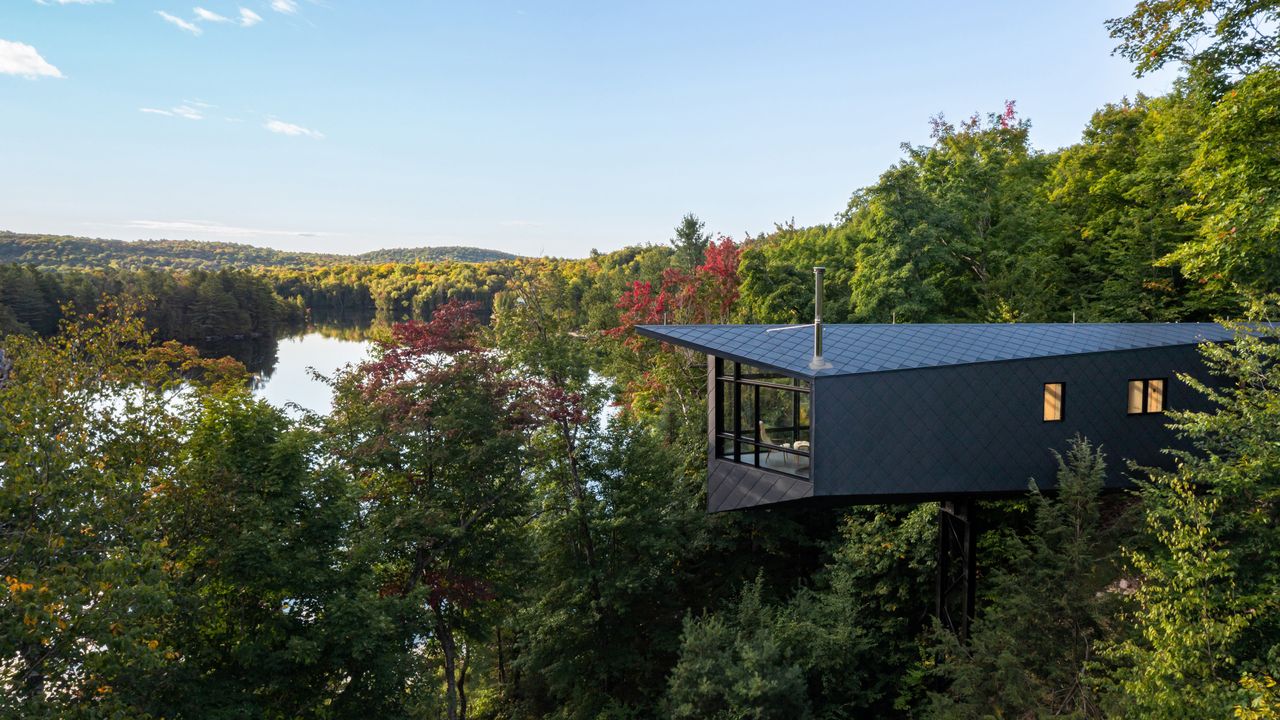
[[978, 429], [731, 486]]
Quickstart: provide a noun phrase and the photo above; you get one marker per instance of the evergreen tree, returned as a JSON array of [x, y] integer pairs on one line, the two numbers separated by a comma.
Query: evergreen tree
[[1043, 610], [690, 242]]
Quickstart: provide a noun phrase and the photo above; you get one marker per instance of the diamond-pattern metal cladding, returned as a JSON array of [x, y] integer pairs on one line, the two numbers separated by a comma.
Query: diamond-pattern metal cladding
[[978, 429], [732, 485], [855, 349]]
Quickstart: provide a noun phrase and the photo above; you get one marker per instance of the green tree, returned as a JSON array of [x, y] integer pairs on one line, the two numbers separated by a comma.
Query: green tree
[[1044, 609], [1211, 36], [92, 423], [959, 230], [850, 638], [1235, 177], [737, 668], [266, 609], [1208, 606], [690, 242], [1118, 192]]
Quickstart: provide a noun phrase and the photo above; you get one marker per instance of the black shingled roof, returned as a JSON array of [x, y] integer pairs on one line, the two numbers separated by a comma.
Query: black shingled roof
[[853, 349]]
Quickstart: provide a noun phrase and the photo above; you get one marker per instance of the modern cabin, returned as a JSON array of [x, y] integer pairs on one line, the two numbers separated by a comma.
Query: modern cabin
[[929, 412]]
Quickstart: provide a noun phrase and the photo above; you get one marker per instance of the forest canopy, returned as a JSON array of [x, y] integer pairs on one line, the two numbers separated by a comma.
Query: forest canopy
[[64, 251]]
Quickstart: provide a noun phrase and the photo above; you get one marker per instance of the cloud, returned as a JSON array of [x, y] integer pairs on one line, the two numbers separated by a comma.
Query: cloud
[[284, 128], [520, 224], [249, 18], [182, 111], [179, 22], [21, 59], [210, 16], [214, 228], [287, 7]]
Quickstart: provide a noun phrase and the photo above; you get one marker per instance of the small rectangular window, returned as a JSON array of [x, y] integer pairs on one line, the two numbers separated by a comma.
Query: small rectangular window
[[1146, 397], [1053, 393]]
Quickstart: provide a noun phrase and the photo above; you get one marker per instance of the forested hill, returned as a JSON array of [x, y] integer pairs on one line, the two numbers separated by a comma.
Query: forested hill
[[454, 253], [65, 251]]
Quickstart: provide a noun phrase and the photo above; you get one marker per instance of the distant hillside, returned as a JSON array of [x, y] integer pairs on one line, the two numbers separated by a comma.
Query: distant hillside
[[64, 251], [433, 254]]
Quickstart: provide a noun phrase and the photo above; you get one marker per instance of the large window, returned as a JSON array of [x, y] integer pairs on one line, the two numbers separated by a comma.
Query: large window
[[1146, 397], [762, 418]]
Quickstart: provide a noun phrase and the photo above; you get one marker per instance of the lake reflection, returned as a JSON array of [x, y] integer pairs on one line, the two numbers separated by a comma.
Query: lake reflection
[[290, 381]]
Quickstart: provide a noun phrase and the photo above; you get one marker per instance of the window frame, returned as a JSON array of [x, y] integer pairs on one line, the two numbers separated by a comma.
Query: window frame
[[1146, 396], [742, 438]]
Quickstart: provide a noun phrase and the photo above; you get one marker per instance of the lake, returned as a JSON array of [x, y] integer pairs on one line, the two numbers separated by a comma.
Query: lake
[[283, 374], [290, 380]]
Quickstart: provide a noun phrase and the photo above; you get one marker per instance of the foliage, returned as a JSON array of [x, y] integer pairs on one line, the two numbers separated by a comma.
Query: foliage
[[1235, 176], [958, 229], [1264, 700], [194, 308], [267, 617], [1206, 610], [433, 429], [1211, 36], [1044, 610], [849, 641], [507, 521], [92, 425], [56, 252], [690, 242], [737, 668], [1118, 192]]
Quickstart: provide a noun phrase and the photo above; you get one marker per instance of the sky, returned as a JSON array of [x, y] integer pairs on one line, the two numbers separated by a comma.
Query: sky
[[538, 128]]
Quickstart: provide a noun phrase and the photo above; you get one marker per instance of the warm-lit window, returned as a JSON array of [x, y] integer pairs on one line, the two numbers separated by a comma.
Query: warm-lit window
[[1146, 397], [1053, 401]]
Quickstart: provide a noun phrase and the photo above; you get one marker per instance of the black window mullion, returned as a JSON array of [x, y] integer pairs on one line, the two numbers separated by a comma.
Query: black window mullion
[[755, 411], [795, 418], [719, 405], [737, 413]]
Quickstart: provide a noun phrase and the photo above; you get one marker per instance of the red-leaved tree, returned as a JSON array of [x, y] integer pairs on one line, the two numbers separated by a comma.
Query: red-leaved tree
[[433, 428]]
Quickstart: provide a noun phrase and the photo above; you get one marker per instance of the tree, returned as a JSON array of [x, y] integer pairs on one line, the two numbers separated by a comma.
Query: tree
[[1044, 610], [958, 229], [92, 423], [1235, 175], [1212, 36], [690, 242], [433, 428], [777, 278], [738, 668], [1207, 609], [1118, 192], [842, 646], [267, 609]]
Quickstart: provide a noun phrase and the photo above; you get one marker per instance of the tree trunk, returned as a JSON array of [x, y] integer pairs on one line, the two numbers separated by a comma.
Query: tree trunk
[[445, 636]]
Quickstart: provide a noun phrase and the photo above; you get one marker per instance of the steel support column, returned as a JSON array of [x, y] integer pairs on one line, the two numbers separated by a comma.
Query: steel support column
[[957, 564]]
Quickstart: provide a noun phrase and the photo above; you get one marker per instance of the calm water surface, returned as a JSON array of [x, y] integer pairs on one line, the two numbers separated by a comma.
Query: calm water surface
[[290, 381]]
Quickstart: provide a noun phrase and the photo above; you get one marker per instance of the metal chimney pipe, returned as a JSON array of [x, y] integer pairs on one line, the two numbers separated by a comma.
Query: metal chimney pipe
[[817, 311]]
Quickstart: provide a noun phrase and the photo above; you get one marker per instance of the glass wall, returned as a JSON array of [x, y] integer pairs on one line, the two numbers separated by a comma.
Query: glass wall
[[762, 418]]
